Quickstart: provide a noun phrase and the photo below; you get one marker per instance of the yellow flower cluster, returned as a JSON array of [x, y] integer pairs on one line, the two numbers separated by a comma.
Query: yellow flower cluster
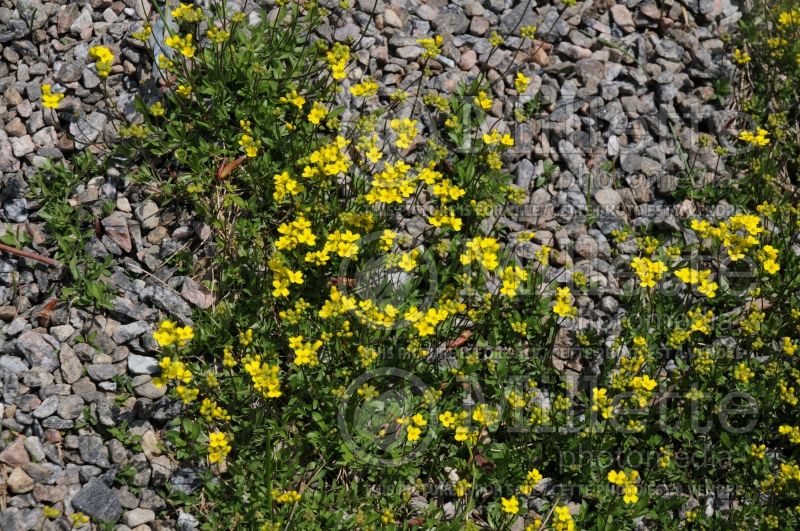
[[172, 369], [157, 109], [169, 333], [187, 13], [630, 492], [211, 411], [759, 138], [694, 276], [317, 113], [79, 519], [392, 185], [413, 425], [103, 58], [50, 100], [494, 138], [338, 56], [368, 146], [285, 186], [642, 387], [367, 87], [329, 160], [286, 497], [305, 352], [483, 101], [789, 18], [445, 218], [406, 130], [482, 249], [512, 277], [758, 451], [457, 423], [510, 505], [431, 45], [788, 393], [218, 35], [283, 277], [264, 377], [768, 257], [218, 447], [648, 271], [426, 322], [187, 394], [562, 519], [531, 480], [337, 304], [295, 233], [143, 34], [183, 44], [563, 306], [788, 346], [741, 57], [792, 432], [601, 402], [521, 83], [293, 98]]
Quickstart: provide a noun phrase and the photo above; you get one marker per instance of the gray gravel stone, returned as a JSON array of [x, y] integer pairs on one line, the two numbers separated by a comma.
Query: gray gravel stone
[[98, 501], [38, 349], [147, 214], [142, 364], [71, 407], [138, 517], [47, 407]]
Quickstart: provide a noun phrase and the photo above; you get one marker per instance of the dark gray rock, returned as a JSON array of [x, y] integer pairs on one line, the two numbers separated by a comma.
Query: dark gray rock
[[98, 501]]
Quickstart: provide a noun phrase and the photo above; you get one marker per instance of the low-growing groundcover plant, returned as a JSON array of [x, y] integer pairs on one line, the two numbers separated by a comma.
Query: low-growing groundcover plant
[[381, 353]]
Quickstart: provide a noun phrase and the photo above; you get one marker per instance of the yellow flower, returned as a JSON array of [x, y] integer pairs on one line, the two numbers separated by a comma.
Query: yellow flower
[[79, 519], [510, 505], [406, 130], [528, 32], [447, 419], [562, 519], [218, 35], [413, 433], [187, 13], [743, 373], [758, 451], [249, 145], [521, 82], [50, 100], [318, 113], [628, 482], [289, 496], [368, 87], [337, 60], [143, 34], [482, 250], [218, 447], [483, 101], [789, 347], [563, 306], [649, 271], [741, 57], [461, 487], [408, 261], [757, 139], [50, 512], [432, 46], [184, 90], [157, 109], [293, 98], [103, 59]]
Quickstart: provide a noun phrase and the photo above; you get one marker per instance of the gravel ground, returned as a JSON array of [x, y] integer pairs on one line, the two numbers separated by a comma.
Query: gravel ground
[[626, 91]]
